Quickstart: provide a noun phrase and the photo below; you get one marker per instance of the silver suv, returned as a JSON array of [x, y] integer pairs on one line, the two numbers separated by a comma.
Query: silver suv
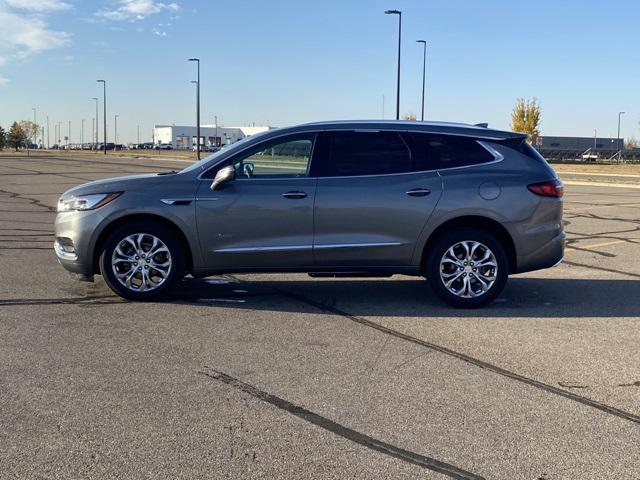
[[463, 205]]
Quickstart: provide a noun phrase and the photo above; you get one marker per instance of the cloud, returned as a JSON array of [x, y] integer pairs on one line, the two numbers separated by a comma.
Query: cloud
[[24, 35], [133, 10], [3, 81], [37, 5]]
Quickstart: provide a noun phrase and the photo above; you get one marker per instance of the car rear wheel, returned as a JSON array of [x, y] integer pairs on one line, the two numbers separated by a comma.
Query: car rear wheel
[[142, 261], [467, 267]]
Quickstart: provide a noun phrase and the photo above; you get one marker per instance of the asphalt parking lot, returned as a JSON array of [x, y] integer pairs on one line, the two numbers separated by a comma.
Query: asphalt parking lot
[[282, 376]]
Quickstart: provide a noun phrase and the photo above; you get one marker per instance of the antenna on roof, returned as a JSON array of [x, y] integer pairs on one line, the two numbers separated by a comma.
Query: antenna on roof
[[482, 125]]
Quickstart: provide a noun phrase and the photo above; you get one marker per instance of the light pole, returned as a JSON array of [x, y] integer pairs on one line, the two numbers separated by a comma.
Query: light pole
[[215, 119], [47, 132], [197, 60], [95, 132], [82, 136], [619, 149], [115, 129], [35, 140], [69, 136], [424, 68], [104, 111], [138, 135], [399, 13]]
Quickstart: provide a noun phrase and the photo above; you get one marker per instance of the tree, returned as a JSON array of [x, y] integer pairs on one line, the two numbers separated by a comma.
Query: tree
[[17, 136], [409, 116], [525, 118], [31, 130], [631, 143], [3, 138]]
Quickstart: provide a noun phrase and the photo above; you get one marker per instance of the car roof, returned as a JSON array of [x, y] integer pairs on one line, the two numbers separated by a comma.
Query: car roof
[[450, 128]]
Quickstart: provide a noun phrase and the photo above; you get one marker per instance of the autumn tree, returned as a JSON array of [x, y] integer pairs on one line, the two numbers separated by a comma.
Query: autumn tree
[[631, 143], [31, 130], [525, 118], [17, 136], [3, 138]]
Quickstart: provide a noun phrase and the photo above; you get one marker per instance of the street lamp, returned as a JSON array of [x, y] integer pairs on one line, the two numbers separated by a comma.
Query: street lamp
[[35, 140], [197, 107], [115, 130], [399, 13], [619, 149], [95, 133], [138, 135], [104, 111], [424, 67], [47, 132], [82, 135]]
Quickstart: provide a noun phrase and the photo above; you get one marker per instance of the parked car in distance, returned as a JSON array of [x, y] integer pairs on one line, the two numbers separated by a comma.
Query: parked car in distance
[[462, 205], [164, 146]]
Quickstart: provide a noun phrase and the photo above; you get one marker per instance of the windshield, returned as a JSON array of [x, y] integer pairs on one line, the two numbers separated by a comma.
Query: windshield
[[224, 150]]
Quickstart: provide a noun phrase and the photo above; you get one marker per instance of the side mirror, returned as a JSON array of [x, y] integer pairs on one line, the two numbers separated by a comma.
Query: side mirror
[[247, 169], [224, 175]]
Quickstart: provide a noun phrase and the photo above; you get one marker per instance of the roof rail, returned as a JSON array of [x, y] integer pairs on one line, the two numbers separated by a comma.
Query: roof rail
[[482, 125]]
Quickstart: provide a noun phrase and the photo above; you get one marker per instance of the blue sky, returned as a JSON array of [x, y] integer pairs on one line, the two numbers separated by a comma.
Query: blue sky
[[285, 62]]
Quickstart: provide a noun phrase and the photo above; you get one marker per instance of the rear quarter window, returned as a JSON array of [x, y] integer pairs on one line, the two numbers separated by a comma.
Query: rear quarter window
[[436, 152]]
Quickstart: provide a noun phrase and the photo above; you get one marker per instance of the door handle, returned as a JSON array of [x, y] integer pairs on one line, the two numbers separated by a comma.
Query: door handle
[[294, 195], [418, 192]]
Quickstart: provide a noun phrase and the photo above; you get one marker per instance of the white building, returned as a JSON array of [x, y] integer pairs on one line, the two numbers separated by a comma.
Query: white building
[[183, 137]]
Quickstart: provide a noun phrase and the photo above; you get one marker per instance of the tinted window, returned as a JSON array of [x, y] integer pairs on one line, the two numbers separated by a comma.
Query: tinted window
[[367, 153], [433, 152]]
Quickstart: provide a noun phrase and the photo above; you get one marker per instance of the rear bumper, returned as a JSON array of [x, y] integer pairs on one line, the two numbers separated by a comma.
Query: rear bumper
[[548, 255]]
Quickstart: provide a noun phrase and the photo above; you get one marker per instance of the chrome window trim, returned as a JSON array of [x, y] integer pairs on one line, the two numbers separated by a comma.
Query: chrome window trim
[[498, 157]]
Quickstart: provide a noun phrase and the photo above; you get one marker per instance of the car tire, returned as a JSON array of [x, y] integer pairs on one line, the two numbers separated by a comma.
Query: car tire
[[467, 267], [142, 261]]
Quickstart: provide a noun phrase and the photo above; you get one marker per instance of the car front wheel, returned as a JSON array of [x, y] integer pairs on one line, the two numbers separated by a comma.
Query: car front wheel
[[467, 267], [142, 261]]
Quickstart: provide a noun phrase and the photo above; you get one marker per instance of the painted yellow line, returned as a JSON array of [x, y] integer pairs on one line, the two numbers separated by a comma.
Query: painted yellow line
[[597, 245]]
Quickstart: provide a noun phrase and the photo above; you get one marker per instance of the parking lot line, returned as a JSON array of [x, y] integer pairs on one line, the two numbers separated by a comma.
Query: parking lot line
[[598, 245]]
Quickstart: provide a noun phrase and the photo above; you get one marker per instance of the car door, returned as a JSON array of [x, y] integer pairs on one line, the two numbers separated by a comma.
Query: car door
[[370, 205], [264, 217]]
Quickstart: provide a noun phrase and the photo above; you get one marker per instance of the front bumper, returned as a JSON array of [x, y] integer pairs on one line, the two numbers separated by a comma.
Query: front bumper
[[79, 231]]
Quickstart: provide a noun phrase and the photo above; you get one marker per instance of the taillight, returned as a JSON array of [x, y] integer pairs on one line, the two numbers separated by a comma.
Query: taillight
[[550, 188]]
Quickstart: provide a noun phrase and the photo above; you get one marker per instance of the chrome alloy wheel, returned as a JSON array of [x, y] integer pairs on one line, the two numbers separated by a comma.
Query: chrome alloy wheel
[[468, 269], [141, 262]]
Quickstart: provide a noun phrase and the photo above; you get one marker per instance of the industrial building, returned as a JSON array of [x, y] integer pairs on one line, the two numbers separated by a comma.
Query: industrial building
[[577, 147], [183, 137]]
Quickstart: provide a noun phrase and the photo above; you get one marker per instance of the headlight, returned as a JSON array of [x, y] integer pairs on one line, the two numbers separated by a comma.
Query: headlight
[[86, 202]]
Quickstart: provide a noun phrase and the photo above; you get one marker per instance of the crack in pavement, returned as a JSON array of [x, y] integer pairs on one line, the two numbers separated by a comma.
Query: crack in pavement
[[97, 300], [469, 359], [427, 463]]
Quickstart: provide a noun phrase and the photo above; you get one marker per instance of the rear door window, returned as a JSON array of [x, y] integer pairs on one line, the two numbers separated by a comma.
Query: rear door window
[[365, 153], [436, 152]]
